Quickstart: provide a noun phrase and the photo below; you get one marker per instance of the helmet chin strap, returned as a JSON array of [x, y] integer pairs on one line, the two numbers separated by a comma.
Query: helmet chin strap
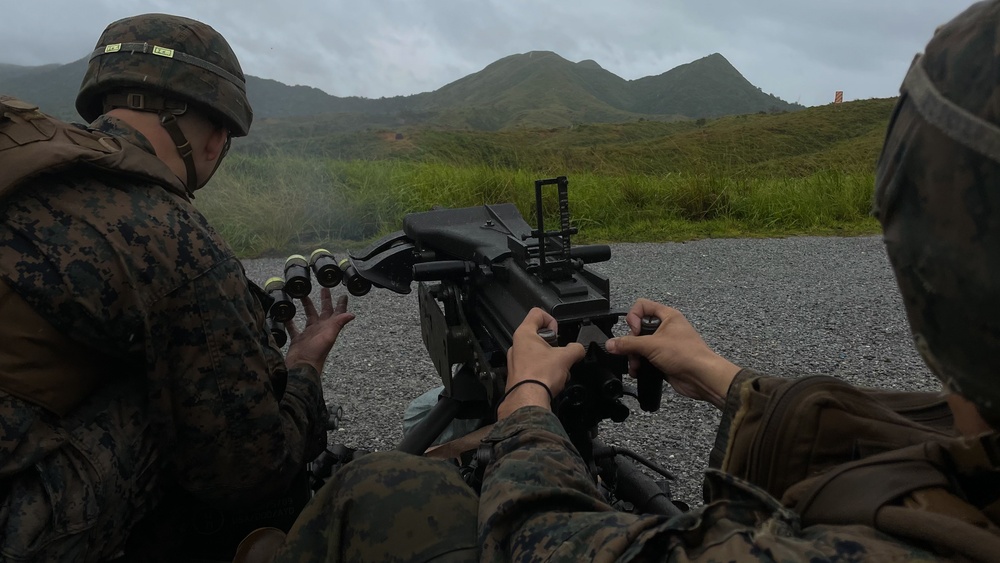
[[168, 110], [169, 122]]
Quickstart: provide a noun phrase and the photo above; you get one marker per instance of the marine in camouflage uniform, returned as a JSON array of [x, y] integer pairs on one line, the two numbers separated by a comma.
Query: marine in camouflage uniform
[[148, 366], [539, 504], [938, 198]]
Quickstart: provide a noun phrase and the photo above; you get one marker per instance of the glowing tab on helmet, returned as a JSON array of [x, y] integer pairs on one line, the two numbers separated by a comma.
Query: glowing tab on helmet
[[163, 52], [113, 48]]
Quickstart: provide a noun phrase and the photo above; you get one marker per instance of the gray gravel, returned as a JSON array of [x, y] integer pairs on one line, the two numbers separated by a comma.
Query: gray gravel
[[794, 306]]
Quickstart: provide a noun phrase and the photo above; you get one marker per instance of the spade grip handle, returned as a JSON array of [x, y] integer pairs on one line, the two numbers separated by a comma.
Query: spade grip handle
[[650, 380]]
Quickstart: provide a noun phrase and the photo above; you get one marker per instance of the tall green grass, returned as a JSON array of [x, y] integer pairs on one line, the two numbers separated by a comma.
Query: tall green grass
[[272, 204], [806, 172]]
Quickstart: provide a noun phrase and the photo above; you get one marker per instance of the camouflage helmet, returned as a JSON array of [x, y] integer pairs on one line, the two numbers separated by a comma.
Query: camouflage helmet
[[937, 196], [170, 56]]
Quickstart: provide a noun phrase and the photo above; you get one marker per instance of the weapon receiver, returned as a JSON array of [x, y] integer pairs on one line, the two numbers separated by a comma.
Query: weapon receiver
[[479, 270]]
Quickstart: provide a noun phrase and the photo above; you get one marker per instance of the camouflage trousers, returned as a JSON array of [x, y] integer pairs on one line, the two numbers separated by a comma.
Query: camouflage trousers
[[387, 506], [79, 502]]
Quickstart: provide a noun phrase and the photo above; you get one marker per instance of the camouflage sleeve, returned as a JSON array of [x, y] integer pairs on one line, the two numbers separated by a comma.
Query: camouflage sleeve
[[733, 405], [747, 409], [538, 504], [210, 365]]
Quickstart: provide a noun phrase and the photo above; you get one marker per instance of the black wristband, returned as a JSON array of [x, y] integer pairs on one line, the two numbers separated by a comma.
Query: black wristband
[[522, 382]]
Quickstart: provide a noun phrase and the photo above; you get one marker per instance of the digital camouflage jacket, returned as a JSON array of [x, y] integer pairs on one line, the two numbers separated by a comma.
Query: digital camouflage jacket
[[538, 503], [137, 284]]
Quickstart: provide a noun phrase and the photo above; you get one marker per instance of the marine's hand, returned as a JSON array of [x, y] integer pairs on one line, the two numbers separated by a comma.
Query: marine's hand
[[531, 357], [312, 344], [677, 350]]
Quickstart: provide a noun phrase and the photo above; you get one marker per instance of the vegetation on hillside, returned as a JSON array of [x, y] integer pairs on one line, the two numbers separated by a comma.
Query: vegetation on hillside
[[759, 175], [843, 137]]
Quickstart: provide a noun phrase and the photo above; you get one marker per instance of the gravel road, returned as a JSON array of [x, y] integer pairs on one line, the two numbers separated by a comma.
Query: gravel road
[[793, 306]]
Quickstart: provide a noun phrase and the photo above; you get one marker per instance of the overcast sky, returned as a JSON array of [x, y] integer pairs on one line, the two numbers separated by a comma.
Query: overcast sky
[[799, 50]]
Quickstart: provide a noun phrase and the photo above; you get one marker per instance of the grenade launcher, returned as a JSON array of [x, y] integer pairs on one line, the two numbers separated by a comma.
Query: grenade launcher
[[479, 270]]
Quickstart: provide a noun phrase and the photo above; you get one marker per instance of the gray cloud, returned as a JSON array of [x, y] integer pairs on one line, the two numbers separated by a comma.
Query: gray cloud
[[800, 50]]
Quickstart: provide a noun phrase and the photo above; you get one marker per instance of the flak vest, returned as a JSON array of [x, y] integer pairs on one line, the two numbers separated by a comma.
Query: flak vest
[[843, 455], [46, 367]]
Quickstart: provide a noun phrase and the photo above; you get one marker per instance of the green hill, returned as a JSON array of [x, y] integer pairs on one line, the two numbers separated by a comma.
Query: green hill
[[530, 90], [8, 71], [273, 99], [537, 89], [52, 87], [844, 137], [708, 87]]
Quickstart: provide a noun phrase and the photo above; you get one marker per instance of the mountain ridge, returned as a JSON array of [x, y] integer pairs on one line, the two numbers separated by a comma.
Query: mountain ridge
[[533, 89]]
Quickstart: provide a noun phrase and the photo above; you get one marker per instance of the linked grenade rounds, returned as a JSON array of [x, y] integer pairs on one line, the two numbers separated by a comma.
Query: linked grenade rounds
[[282, 310], [324, 267], [356, 285], [297, 284], [278, 332]]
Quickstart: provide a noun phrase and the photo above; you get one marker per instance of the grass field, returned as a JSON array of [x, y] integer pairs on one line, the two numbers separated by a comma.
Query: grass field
[[808, 172]]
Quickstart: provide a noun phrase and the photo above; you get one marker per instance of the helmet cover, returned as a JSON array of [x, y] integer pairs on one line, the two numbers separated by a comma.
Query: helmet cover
[[170, 56], [937, 196]]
